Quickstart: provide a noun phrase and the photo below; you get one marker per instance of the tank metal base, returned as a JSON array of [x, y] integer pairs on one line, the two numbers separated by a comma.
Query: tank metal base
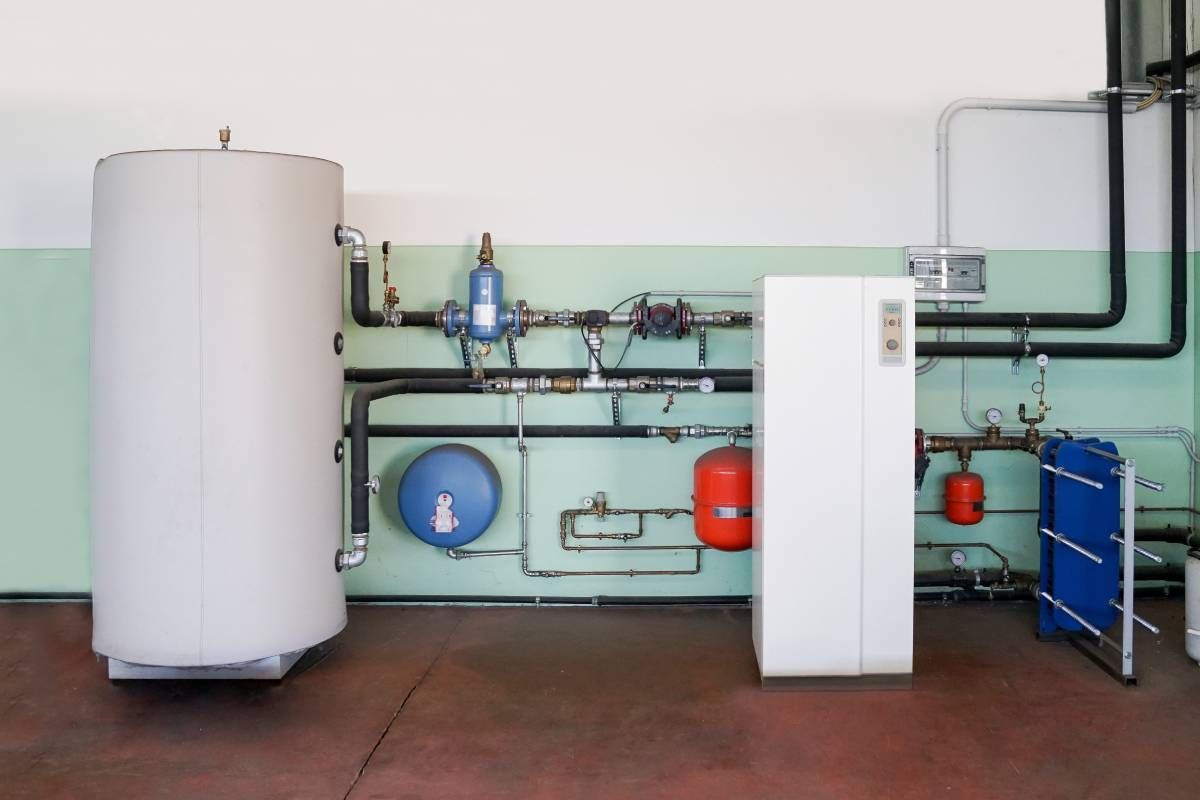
[[838, 683], [269, 668]]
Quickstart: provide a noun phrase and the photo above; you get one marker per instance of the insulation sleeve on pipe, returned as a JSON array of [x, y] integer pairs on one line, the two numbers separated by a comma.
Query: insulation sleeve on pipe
[[1178, 304], [1164, 67], [360, 296], [510, 431], [376, 374], [1117, 285], [360, 468], [419, 319]]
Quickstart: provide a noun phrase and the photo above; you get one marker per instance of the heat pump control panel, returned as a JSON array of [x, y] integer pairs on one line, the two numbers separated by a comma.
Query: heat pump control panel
[[891, 333], [948, 274]]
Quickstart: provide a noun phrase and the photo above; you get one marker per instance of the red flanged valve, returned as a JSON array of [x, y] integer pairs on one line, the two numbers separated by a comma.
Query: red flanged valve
[[724, 497], [964, 498]]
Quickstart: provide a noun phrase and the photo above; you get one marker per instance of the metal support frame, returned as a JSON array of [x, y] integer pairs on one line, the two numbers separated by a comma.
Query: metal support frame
[[1098, 645]]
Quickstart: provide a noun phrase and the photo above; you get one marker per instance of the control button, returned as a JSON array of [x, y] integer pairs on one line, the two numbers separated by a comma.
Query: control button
[[892, 344]]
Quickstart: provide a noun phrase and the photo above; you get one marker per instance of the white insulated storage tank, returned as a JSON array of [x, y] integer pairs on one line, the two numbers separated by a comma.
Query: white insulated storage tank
[[216, 396]]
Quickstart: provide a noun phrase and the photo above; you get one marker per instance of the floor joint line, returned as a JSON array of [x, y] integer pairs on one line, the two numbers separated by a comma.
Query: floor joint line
[[396, 714]]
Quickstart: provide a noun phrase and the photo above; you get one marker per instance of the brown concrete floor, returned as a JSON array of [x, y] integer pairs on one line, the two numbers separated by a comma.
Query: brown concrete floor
[[423, 702]]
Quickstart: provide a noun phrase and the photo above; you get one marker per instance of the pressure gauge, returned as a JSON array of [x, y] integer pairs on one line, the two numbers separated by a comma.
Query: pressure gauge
[[706, 385], [993, 418], [1043, 359], [958, 558]]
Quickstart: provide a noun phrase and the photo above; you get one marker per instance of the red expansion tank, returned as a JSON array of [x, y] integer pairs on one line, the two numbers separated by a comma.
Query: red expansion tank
[[724, 497], [964, 498]]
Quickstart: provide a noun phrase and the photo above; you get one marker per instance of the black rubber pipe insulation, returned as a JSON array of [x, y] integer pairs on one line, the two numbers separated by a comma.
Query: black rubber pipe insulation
[[510, 431], [725, 380], [1117, 298], [360, 404], [1191, 61], [419, 319], [1178, 307], [360, 295], [375, 374]]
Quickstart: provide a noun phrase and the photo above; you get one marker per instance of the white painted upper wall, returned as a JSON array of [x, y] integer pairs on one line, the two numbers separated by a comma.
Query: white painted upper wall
[[624, 122]]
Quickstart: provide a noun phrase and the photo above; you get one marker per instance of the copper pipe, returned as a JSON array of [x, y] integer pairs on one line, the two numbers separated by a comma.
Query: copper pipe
[[992, 439]]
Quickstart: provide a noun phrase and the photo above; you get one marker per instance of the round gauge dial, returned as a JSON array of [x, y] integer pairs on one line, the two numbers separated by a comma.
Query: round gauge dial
[[994, 416], [706, 385], [1043, 359], [958, 558]]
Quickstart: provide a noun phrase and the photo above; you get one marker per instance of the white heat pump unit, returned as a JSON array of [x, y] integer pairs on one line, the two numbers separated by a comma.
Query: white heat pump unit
[[833, 480]]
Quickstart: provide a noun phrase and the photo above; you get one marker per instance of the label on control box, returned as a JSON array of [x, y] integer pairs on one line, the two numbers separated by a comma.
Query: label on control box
[[891, 333]]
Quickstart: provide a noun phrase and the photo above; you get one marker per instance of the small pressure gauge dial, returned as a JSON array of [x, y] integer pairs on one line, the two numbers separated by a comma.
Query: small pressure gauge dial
[[993, 417], [1043, 359], [706, 385], [958, 558]]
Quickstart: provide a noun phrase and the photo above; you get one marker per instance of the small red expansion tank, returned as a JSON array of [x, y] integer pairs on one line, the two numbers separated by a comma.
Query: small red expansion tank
[[964, 498], [724, 498]]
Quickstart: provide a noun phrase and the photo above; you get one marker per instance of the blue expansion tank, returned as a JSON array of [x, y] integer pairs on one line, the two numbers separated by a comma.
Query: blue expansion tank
[[449, 495]]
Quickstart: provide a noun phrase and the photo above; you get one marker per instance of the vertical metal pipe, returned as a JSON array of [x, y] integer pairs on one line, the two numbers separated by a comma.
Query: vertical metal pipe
[[523, 515]]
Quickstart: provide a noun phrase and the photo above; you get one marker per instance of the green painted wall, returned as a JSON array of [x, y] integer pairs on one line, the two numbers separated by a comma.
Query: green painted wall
[[43, 311]]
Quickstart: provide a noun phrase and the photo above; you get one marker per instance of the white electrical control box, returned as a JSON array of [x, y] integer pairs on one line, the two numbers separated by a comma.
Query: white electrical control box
[[948, 274], [834, 414]]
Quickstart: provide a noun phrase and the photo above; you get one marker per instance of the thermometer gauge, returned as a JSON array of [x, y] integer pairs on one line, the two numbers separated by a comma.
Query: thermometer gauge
[[958, 558], [993, 416]]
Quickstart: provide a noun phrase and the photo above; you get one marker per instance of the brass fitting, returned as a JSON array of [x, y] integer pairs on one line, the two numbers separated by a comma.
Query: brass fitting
[[485, 249], [562, 385]]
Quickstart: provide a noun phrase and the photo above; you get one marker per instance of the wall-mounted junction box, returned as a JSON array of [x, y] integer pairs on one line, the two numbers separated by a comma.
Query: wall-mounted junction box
[[948, 274]]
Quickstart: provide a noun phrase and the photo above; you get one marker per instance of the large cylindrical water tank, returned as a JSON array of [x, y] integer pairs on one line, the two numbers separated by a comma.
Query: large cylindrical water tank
[[216, 394]]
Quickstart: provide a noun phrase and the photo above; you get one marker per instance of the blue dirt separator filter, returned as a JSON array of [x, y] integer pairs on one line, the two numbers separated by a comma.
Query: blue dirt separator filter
[[449, 495], [485, 320]]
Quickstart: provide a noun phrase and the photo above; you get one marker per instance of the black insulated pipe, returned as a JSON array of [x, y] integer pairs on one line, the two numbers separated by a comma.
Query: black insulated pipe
[[419, 319], [360, 403], [360, 295], [1178, 308], [1117, 291], [1191, 61], [376, 374], [510, 431]]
